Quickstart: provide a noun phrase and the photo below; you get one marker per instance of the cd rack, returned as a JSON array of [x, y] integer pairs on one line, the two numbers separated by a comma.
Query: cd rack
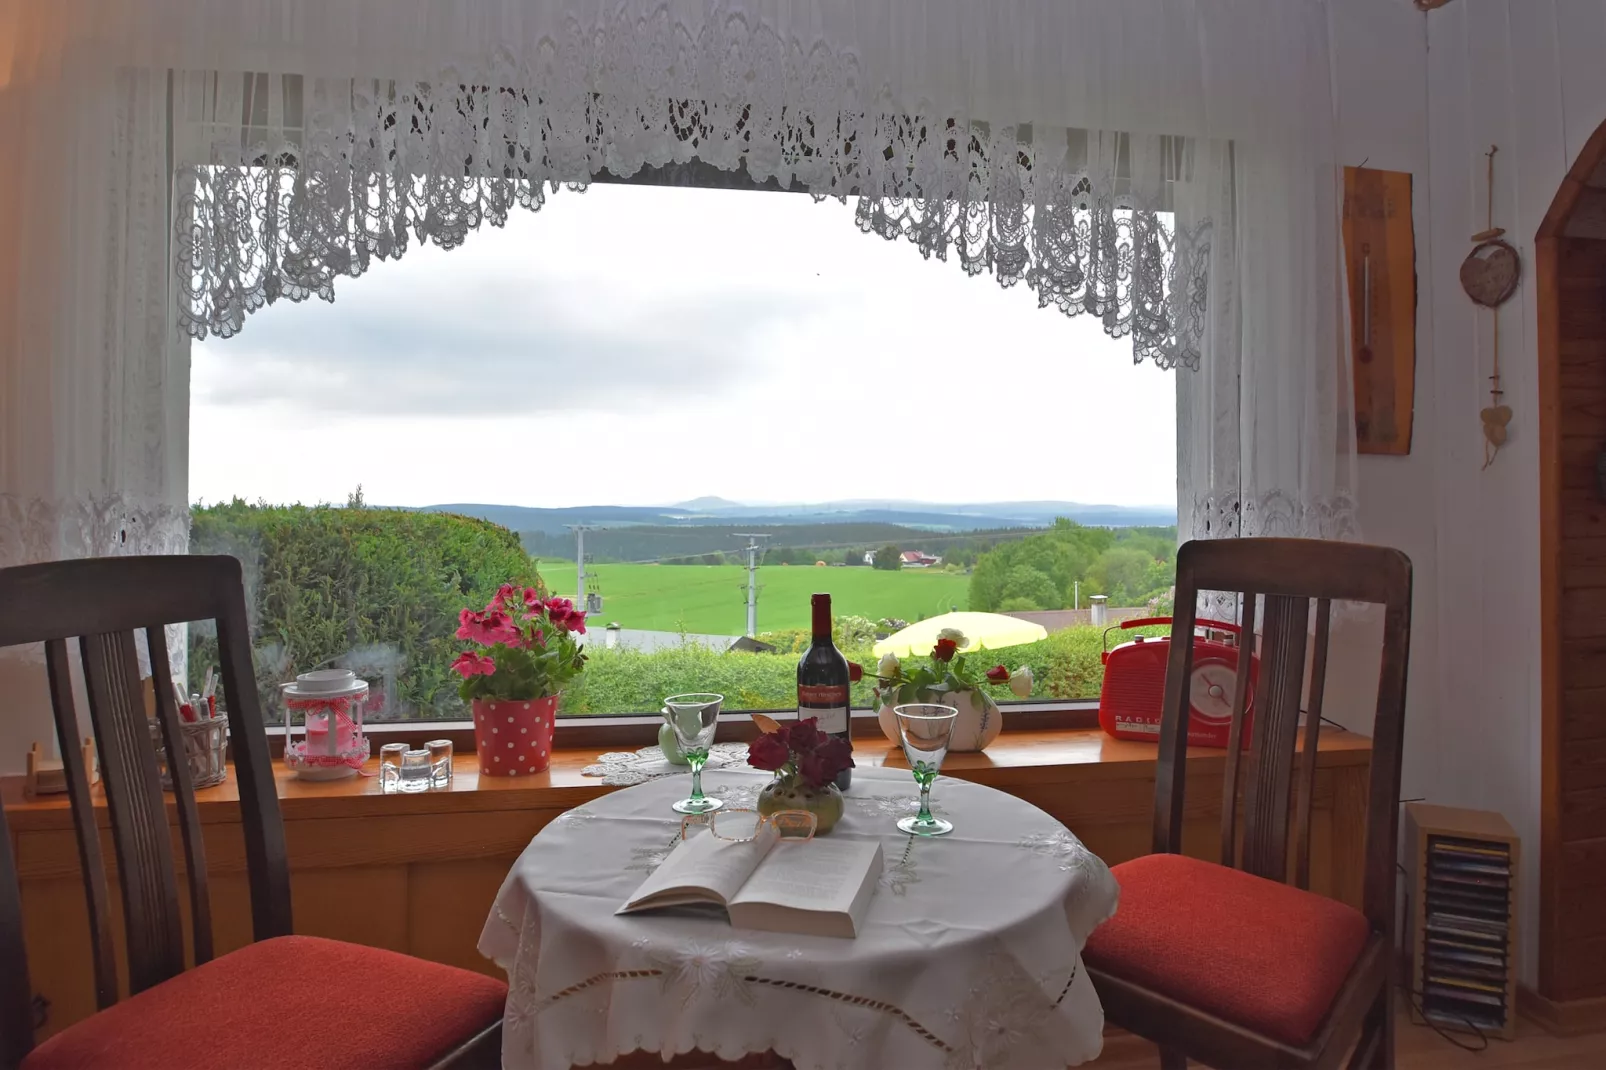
[[1462, 867]]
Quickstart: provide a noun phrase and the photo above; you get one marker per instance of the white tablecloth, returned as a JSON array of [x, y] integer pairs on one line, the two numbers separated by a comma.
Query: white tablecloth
[[969, 957]]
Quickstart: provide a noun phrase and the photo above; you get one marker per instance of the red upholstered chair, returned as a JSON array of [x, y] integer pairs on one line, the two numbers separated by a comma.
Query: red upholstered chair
[[1238, 965], [266, 1005]]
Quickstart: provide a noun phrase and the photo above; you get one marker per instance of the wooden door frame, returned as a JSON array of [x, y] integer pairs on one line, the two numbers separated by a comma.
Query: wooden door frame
[[1547, 251]]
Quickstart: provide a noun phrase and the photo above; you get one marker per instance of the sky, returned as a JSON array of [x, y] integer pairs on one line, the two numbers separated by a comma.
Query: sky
[[638, 345]]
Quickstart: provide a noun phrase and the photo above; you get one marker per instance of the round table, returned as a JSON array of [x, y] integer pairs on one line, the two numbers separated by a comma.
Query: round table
[[970, 955]]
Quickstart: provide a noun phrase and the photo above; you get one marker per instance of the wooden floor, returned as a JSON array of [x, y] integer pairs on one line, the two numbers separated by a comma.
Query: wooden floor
[[1420, 1048]]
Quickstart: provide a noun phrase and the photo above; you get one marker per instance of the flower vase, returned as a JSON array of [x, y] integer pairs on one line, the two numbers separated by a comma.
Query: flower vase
[[513, 737], [791, 793], [977, 725]]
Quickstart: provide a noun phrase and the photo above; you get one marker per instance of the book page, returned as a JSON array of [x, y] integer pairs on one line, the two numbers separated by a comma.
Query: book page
[[701, 869], [820, 874]]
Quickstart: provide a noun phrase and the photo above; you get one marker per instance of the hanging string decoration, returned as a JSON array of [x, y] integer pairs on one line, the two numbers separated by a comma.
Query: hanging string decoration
[[1489, 275]]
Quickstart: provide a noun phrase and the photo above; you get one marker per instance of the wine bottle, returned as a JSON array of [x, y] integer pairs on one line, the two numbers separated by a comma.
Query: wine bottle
[[822, 683]]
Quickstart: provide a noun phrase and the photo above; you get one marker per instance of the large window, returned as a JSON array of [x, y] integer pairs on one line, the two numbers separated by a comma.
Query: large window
[[730, 397]]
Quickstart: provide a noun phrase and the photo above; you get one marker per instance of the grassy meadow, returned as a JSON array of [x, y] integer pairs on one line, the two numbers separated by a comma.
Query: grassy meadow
[[712, 599]]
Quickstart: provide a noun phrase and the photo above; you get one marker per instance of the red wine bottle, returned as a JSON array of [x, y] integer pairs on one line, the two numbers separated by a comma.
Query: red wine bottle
[[822, 682]]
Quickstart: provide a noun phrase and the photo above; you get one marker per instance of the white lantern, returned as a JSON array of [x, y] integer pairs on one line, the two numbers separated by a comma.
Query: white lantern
[[323, 737]]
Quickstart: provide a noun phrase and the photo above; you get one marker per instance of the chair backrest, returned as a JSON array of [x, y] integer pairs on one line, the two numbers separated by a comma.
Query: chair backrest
[[1286, 579], [101, 602]]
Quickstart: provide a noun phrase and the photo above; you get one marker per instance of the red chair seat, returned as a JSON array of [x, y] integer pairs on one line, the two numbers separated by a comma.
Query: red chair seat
[[290, 1003], [1262, 955]]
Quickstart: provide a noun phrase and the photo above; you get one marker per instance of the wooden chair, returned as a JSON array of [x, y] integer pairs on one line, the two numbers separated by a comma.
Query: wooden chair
[[282, 1000], [1228, 964]]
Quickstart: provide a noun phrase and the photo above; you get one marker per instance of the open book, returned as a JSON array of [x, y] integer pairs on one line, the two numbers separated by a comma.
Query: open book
[[817, 887]]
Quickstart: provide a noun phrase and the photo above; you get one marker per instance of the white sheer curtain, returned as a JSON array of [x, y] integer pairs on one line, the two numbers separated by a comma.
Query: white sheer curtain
[[970, 125]]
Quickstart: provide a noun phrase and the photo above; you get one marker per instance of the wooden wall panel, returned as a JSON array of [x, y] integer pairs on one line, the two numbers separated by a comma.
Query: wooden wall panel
[[1574, 270], [418, 874]]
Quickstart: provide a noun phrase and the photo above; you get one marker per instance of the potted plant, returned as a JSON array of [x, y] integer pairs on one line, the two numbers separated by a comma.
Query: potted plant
[[805, 762], [951, 678], [525, 650]]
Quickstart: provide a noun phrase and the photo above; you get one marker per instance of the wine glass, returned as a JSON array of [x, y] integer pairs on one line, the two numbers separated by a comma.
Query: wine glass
[[925, 730], [693, 719]]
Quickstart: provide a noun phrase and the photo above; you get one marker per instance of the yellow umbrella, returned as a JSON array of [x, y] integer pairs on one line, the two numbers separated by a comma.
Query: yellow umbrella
[[982, 631]]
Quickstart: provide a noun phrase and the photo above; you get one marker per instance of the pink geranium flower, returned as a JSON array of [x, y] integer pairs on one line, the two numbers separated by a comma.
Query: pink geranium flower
[[469, 664], [487, 629]]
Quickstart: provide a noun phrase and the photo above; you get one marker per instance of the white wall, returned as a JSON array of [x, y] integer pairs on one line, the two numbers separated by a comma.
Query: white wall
[[1429, 94]]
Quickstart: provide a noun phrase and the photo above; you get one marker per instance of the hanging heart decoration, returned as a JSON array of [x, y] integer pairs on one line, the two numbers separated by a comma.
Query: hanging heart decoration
[[1495, 419], [1490, 272]]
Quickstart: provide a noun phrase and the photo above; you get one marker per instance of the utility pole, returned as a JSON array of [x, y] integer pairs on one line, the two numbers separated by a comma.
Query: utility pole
[[580, 563], [753, 550]]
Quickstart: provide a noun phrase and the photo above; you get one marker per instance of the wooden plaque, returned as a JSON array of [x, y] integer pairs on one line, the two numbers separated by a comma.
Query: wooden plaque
[[1380, 255]]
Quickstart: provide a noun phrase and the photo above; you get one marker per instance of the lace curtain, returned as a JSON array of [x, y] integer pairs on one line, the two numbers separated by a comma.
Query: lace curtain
[[294, 182]]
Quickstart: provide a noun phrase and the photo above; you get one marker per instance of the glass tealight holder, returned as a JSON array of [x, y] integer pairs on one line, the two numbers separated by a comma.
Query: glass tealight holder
[[440, 763], [414, 771], [390, 765]]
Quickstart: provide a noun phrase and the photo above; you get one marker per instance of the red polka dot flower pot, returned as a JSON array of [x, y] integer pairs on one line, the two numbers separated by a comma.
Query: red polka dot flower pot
[[523, 644], [513, 737]]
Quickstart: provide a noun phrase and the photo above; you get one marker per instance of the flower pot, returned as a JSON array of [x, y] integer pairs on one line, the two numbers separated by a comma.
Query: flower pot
[[791, 793], [513, 737], [977, 725]]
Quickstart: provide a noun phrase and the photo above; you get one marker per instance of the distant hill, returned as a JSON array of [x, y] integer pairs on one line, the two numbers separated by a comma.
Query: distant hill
[[925, 516]]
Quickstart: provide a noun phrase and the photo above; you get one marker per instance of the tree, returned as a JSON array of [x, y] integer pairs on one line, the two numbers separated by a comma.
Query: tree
[[889, 558], [1123, 574], [1027, 584], [851, 556]]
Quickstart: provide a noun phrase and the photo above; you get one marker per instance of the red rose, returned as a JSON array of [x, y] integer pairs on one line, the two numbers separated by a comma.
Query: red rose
[[804, 735], [944, 650], [768, 751], [820, 766], [998, 674], [855, 672]]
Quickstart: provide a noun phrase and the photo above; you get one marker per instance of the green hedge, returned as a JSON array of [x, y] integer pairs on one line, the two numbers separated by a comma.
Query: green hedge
[[1065, 665], [374, 590]]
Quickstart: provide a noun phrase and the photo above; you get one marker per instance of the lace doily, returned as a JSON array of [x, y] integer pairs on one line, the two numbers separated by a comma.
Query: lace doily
[[622, 768]]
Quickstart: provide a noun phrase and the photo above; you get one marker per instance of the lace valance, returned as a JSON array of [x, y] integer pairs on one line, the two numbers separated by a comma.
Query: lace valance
[[289, 182]]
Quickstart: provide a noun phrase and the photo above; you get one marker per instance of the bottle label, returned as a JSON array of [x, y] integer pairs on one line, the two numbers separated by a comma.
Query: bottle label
[[833, 719], [828, 702]]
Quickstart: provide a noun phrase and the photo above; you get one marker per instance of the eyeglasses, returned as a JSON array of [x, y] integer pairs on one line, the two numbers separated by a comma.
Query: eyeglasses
[[745, 826]]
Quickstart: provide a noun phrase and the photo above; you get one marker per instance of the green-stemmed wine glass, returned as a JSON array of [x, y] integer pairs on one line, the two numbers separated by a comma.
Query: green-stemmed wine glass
[[925, 731], [693, 719]]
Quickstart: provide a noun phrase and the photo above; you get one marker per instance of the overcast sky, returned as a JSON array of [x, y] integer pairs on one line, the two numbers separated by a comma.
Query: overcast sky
[[638, 345]]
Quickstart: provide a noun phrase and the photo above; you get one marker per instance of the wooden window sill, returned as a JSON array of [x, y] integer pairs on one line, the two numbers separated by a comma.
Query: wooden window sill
[[1016, 762]]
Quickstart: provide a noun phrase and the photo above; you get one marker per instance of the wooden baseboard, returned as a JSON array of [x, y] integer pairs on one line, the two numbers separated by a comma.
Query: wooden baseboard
[[1564, 1018]]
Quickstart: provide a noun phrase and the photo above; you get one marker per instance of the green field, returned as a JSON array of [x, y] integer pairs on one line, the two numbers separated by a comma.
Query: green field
[[712, 599]]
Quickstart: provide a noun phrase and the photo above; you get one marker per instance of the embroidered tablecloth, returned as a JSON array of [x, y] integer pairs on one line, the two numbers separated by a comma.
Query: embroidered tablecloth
[[969, 956]]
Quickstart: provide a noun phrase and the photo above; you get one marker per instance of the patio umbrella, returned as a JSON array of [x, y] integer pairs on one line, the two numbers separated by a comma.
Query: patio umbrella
[[985, 631]]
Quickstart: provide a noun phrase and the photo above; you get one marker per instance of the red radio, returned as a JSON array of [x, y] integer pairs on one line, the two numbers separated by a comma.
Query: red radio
[[1134, 685]]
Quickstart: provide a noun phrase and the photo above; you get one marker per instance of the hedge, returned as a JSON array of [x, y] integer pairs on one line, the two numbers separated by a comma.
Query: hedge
[[374, 590]]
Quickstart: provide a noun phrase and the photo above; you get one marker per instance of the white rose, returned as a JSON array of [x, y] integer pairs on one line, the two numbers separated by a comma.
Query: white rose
[[956, 635], [1020, 681], [888, 666]]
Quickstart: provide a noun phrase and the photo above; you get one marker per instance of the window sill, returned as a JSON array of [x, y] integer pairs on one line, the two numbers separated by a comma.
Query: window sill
[[1020, 762]]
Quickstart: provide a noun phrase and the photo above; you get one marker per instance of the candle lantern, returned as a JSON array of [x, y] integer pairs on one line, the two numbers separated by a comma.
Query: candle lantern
[[323, 737]]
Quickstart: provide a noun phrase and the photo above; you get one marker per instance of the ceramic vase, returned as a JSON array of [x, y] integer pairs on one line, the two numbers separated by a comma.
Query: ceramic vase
[[977, 725], [791, 793], [513, 737]]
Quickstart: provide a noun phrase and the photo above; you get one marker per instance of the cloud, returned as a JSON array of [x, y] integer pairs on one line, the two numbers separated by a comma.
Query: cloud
[[538, 348]]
